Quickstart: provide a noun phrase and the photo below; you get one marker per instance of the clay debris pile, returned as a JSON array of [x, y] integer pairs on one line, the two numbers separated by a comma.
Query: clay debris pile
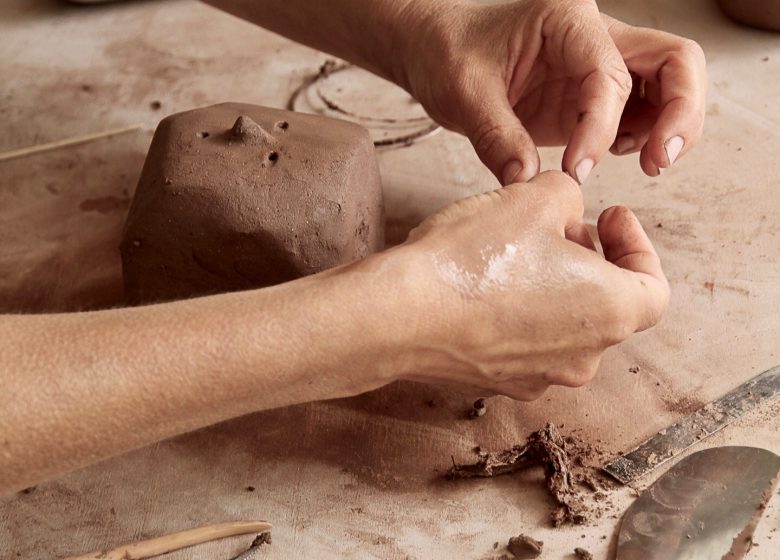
[[571, 472]]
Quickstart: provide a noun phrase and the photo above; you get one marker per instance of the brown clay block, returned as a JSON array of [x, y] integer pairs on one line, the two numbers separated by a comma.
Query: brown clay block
[[238, 196], [764, 14]]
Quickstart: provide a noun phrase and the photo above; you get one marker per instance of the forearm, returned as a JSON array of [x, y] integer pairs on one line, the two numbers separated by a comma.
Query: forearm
[[373, 34], [81, 387]]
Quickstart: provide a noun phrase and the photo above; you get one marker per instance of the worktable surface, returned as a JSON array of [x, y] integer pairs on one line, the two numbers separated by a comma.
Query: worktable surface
[[362, 477]]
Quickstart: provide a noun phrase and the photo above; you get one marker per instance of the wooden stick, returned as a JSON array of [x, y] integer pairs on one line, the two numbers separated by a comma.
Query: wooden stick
[[30, 150], [176, 541]]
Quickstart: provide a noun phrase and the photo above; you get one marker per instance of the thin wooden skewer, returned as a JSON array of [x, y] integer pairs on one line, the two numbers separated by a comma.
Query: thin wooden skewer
[[30, 150], [176, 541]]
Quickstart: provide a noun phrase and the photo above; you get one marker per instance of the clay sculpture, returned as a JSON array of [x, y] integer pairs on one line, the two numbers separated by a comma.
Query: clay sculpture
[[238, 196]]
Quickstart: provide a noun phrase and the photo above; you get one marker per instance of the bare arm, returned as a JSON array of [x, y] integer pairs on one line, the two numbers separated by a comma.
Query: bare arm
[[363, 32], [80, 387], [501, 291], [516, 75]]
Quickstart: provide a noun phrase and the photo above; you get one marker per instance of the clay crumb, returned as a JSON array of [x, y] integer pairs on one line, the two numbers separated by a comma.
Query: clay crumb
[[524, 547], [479, 408], [571, 468], [582, 554]]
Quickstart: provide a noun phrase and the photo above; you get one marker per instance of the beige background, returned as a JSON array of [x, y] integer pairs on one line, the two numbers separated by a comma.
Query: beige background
[[360, 478]]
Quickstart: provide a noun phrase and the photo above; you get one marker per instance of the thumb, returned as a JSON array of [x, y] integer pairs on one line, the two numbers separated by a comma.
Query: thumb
[[499, 138], [627, 246]]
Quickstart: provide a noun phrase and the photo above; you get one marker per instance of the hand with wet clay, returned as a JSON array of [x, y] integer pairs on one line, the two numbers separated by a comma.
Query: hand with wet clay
[[515, 76], [526, 302], [503, 291]]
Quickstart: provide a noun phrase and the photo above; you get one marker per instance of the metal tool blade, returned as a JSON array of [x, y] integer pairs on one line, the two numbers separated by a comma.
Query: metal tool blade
[[695, 427], [705, 507]]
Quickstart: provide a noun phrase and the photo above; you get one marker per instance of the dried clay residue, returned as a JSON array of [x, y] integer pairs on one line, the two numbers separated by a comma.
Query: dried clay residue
[[524, 547], [571, 470], [582, 554]]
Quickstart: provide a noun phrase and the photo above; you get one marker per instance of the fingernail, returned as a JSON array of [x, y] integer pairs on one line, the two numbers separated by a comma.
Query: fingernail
[[583, 170], [511, 171], [625, 143], [673, 147]]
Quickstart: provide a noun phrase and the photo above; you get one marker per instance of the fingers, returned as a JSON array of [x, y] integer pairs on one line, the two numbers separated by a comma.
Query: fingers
[[639, 116], [603, 95], [627, 246], [675, 71], [563, 200], [499, 138], [566, 205], [579, 234], [587, 50]]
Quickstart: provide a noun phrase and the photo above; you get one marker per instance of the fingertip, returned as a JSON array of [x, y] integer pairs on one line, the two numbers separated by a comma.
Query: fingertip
[[647, 164], [511, 172], [627, 246], [499, 138], [625, 241], [516, 171]]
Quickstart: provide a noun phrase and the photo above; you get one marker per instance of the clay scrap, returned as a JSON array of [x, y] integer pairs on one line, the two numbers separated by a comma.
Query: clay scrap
[[524, 547], [238, 196], [577, 487], [582, 554]]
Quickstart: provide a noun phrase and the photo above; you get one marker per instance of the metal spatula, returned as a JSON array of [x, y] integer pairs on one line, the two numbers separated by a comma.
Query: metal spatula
[[706, 507]]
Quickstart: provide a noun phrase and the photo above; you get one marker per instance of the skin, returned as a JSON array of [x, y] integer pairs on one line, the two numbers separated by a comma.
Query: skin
[[514, 76], [503, 291]]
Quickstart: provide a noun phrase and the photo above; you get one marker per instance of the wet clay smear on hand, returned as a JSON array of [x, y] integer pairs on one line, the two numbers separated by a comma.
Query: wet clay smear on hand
[[571, 470]]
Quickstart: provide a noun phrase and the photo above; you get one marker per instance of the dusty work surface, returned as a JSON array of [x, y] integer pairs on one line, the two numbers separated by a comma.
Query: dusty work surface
[[363, 477]]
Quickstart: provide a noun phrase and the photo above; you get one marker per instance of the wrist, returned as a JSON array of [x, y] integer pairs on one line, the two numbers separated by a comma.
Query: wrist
[[416, 317], [416, 31]]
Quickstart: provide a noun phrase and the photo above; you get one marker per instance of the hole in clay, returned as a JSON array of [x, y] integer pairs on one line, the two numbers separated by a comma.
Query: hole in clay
[[273, 156], [284, 125], [203, 134]]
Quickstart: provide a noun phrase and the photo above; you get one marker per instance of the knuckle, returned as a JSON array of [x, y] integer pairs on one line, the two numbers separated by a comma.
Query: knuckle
[[614, 73], [564, 188], [658, 308], [572, 8], [623, 82], [579, 373], [612, 318], [691, 49], [487, 137]]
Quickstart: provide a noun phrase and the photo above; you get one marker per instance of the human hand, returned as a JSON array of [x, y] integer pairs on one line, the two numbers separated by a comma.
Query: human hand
[[511, 296], [546, 72]]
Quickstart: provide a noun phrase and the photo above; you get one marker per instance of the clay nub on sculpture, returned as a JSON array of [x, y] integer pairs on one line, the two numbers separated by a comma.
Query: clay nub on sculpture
[[238, 196]]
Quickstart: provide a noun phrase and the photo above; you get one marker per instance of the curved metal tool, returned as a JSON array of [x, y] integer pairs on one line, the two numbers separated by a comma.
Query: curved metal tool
[[678, 437], [705, 507]]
